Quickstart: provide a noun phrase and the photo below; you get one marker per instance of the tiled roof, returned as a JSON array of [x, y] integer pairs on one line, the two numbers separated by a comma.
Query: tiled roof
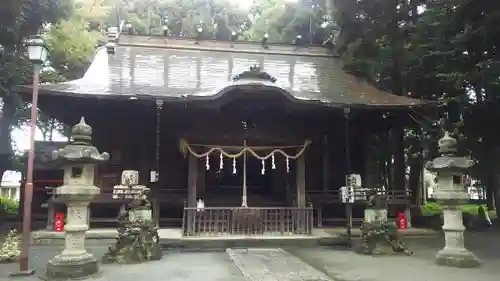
[[181, 70]]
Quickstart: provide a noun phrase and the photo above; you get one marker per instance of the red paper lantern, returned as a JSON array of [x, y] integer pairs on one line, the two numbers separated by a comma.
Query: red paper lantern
[[59, 222]]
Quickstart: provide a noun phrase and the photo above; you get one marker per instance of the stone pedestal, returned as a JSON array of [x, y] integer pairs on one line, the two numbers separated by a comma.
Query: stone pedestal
[[138, 239], [454, 252], [74, 261], [407, 213], [78, 160], [451, 194]]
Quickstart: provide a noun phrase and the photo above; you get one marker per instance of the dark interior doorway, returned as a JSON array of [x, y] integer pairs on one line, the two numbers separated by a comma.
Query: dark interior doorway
[[225, 188]]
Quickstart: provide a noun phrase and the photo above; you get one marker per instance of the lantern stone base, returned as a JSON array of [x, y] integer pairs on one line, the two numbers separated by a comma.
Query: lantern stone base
[[71, 267], [456, 257]]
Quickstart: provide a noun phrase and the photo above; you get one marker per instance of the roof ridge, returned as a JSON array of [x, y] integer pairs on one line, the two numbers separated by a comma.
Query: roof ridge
[[223, 46]]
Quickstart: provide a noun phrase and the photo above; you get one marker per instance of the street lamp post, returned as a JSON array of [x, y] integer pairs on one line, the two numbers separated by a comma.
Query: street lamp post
[[37, 53]]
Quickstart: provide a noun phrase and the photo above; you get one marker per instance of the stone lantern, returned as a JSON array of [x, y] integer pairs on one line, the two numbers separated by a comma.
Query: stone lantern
[[78, 160], [451, 194]]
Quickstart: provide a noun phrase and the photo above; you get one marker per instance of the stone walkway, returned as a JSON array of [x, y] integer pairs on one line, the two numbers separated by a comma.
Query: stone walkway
[[344, 265], [273, 265], [174, 266]]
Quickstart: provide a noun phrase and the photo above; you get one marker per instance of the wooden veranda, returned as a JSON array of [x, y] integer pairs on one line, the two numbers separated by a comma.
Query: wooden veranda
[[247, 221]]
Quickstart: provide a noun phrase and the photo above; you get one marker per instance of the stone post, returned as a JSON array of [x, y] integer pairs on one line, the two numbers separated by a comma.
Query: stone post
[[451, 194], [78, 160]]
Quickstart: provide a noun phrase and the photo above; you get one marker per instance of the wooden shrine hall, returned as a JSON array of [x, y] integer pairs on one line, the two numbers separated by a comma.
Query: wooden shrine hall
[[256, 134]]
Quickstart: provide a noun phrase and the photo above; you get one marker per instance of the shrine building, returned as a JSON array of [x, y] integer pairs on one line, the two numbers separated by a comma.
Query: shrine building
[[274, 127]]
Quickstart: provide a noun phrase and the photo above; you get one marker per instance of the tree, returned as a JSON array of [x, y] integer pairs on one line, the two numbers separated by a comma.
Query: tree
[[18, 20], [72, 47], [455, 52], [448, 53], [70, 54], [372, 42], [284, 20]]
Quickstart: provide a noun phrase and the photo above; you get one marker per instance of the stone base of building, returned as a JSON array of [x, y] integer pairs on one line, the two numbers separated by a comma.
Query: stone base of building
[[62, 267], [457, 257]]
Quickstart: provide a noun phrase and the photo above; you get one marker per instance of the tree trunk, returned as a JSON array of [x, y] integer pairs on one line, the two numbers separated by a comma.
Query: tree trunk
[[496, 192], [6, 120], [491, 195], [489, 172]]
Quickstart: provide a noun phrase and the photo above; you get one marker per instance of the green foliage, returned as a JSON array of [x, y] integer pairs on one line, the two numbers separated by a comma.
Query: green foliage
[[431, 209], [281, 19], [8, 207], [10, 248], [446, 52], [20, 19], [71, 47], [435, 209]]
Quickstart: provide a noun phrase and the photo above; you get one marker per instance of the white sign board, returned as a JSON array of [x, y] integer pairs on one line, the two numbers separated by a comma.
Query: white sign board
[[153, 176], [347, 194]]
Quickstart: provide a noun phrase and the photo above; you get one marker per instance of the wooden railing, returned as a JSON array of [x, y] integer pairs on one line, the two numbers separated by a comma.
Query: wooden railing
[[226, 221]]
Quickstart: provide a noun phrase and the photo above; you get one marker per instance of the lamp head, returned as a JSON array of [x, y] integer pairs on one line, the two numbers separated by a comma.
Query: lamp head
[[298, 40], [234, 36], [37, 50], [129, 28], [264, 41], [199, 34]]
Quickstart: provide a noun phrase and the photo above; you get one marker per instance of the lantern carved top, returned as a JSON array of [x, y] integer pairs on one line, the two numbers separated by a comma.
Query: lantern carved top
[[449, 161], [447, 145], [80, 149]]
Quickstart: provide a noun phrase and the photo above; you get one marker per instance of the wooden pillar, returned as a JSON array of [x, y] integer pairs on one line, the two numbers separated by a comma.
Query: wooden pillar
[[192, 180], [155, 204], [301, 181], [326, 165], [201, 181], [367, 177]]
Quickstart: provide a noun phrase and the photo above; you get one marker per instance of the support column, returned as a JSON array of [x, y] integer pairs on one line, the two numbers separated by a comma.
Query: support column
[[301, 181], [326, 164], [201, 181], [192, 179], [367, 177], [244, 198]]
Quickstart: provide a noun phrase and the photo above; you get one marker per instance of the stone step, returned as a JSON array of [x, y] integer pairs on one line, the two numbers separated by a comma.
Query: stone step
[[273, 265], [221, 243]]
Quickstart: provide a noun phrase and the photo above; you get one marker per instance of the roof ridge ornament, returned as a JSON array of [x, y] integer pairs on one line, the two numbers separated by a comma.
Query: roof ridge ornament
[[254, 72]]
